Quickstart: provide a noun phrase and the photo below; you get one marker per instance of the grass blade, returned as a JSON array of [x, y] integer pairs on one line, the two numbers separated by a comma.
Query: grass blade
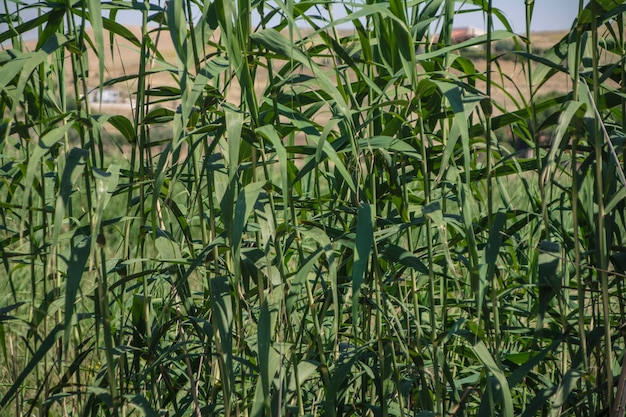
[[363, 248]]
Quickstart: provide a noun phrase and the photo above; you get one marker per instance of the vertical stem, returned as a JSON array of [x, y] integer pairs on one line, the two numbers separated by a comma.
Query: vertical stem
[[431, 276], [104, 319], [580, 286], [487, 110], [622, 42], [601, 233], [489, 161], [533, 120]]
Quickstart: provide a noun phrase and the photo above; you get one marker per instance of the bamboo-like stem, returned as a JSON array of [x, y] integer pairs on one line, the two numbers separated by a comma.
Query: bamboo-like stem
[[600, 219]]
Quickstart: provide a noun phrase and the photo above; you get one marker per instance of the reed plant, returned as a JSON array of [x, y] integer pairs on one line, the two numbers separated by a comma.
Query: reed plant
[[329, 225]]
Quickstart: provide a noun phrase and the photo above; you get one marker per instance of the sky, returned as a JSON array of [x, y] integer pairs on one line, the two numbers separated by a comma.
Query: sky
[[548, 15]]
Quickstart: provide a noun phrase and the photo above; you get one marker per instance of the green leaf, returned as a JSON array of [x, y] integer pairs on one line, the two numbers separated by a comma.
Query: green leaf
[[274, 41], [46, 142], [529, 361], [485, 357], [75, 269], [496, 35], [325, 149], [118, 29], [390, 144], [269, 133], [494, 243], [234, 125], [549, 277], [614, 200], [167, 248], [221, 306], [22, 28], [363, 247], [263, 401], [398, 254], [565, 121], [243, 207], [28, 63], [45, 345], [568, 384], [53, 24], [141, 403], [95, 18], [125, 127], [462, 108], [177, 25], [74, 166], [433, 212], [106, 184]]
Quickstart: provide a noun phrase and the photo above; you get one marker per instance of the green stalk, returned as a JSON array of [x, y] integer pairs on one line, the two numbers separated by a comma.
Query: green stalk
[[41, 71], [376, 284], [417, 338], [81, 89], [580, 286], [487, 110], [32, 249], [197, 171], [431, 275], [141, 108], [488, 132], [621, 388], [600, 220], [16, 41], [533, 121], [622, 41]]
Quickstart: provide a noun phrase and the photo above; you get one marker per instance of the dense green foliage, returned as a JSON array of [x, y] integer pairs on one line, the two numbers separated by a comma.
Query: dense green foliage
[[309, 220]]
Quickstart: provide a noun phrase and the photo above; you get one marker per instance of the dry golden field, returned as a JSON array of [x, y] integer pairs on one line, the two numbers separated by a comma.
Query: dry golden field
[[123, 58]]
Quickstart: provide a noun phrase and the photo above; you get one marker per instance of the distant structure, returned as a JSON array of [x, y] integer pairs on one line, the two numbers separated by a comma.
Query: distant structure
[[466, 33], [109, 95], [462, 34]]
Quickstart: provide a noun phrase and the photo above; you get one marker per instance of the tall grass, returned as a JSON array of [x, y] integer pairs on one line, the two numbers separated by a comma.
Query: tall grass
[[330, 225]]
